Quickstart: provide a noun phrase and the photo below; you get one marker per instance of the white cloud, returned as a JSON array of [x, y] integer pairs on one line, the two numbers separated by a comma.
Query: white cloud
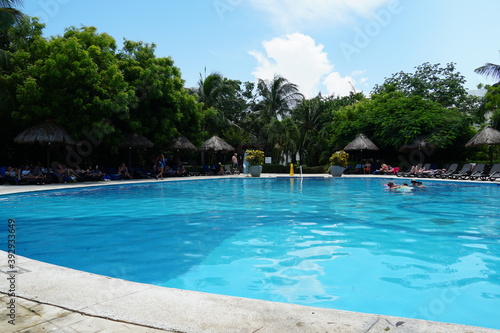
[[302, 61], [295, 14], [340, 86]]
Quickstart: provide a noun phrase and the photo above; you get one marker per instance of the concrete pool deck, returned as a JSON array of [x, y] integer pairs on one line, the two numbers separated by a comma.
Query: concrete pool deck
[[59, 299]]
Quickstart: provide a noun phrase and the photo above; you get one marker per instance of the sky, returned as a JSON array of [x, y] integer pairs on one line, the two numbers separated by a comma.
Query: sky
[[328, 46]]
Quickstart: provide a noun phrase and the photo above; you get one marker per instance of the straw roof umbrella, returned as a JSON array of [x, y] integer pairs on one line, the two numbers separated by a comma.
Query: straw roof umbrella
[[45, 134], [487, 136], [361, 142], [181, 143], [216, 144], [134, 141]]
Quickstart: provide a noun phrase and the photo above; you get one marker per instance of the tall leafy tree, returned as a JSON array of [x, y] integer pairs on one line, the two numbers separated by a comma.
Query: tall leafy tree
[[443, 85], [162, 108], [392, 120], [75, 80]]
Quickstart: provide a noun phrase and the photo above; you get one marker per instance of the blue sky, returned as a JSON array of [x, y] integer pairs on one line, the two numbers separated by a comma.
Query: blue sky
[[325, 46]]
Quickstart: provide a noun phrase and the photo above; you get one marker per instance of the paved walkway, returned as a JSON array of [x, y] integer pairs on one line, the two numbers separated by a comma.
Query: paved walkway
[[51, 298]]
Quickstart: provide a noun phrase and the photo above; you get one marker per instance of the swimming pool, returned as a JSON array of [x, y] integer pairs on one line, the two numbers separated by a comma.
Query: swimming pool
[[340, 243]]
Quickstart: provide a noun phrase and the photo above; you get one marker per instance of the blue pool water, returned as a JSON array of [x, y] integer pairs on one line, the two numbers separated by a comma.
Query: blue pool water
[[346, 244]]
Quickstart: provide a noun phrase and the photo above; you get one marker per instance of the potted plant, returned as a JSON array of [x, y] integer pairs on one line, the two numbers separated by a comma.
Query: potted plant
[[255, 159], [338, 163]]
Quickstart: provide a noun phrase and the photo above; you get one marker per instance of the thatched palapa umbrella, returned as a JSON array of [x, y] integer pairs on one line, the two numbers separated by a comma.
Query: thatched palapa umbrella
[[181, 143], [45, 134], [216, 144], [361, 142], [487, 136], [134, 141]]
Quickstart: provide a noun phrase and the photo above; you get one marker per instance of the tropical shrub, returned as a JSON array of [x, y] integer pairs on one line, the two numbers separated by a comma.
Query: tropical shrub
[[339, 158], [255, 157]]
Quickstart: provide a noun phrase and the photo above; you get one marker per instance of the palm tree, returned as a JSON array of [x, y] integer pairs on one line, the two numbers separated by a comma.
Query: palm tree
[[489, 69], [309, 121], [216, 93], [283, 135], [279, 96], [8, 14], [8, 17]]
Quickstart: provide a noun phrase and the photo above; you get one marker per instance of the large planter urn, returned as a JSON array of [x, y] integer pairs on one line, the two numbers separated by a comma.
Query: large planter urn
[[336, 170], [255, 170]]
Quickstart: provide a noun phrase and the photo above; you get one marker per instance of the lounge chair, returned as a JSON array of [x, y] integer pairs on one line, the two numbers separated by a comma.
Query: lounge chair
[[424, 171], [493, 174], [410, 172], [359, 168], [451, 170], [463, 173], [3, 170], [478, 171], [393, 171], [401, 173]]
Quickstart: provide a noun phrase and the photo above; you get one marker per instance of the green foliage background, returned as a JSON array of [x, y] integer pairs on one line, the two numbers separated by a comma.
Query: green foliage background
[[85, 83]]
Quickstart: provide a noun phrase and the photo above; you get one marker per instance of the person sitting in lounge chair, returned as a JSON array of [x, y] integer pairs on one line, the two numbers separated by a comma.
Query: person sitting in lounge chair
[[11, 175], [27, 175], [123, 172], [384, 168]]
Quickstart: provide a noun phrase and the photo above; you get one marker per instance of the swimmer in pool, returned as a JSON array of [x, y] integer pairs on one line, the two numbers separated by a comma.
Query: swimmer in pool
[[392, 186], [416, 184]]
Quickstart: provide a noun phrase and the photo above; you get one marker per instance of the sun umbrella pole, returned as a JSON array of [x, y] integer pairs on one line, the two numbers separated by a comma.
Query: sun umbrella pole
[[129, 157], [491, 155], [48, 156]]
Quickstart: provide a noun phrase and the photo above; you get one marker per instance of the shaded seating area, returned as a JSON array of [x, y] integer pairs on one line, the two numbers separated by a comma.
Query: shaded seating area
[[477, 171], [450, 171], [463, 173], [493, 174]]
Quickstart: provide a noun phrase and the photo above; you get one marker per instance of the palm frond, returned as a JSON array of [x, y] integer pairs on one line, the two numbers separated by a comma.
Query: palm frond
[[11, 3], [489, 69]]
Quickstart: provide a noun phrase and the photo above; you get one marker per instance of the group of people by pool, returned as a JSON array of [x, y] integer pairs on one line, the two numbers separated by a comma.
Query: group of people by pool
[[405, 187]]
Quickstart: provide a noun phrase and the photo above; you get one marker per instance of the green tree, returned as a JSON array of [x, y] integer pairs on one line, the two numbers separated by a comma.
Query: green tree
[[162, 108], [275, 101], [492, 104], [73, 79], [218, 95], [277, 98], [392, 119], [9, 15], [283, 137], [309, 117], [443, 85], [492, 96]]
